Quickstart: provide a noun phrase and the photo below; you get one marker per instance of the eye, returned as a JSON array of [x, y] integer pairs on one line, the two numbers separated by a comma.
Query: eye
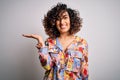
[[65, 17]]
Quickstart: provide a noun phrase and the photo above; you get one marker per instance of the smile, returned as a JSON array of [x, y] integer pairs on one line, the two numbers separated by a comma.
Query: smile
[[62, 27]]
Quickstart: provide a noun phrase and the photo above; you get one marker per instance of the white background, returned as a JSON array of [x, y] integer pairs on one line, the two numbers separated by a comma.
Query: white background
[[19, 57]]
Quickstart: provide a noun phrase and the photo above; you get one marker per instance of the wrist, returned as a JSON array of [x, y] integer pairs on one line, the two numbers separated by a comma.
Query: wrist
[[40, 42], [40, 45]]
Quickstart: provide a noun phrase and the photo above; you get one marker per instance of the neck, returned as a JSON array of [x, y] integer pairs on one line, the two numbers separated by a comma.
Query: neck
[[65, 36]]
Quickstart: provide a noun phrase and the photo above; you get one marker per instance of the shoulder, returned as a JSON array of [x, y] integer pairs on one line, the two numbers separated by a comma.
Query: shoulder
[[81, 40], [50, 41], [82, 45]]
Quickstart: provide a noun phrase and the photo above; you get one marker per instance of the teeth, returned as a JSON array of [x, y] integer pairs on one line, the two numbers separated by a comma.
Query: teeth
[[63, 27]]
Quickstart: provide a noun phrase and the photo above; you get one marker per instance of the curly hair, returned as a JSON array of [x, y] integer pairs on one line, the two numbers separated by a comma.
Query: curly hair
[[49, 21]]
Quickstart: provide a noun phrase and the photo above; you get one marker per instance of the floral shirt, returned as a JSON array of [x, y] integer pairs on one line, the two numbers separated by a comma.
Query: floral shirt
[[72, 64]]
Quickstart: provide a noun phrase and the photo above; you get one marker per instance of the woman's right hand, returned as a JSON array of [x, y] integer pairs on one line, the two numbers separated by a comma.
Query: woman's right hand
[[37, 37]]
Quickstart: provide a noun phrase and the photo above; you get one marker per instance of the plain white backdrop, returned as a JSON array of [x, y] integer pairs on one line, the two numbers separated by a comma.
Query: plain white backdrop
[[18, 55]]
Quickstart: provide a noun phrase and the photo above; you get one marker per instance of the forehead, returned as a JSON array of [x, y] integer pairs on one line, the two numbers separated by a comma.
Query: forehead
[[63, 13]]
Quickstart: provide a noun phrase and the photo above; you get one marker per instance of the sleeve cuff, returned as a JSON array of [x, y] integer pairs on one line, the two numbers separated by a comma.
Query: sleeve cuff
[[43, 50]]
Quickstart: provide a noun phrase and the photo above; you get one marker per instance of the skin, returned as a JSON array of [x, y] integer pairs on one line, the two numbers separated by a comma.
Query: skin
[[63, 23], [63, 26]]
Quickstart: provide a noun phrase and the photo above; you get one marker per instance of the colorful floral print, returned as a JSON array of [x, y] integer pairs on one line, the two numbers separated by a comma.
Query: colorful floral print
[[69, 65]]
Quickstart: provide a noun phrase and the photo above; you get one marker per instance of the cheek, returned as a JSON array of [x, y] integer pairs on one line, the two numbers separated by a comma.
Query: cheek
[[57, 23], [68, 21]]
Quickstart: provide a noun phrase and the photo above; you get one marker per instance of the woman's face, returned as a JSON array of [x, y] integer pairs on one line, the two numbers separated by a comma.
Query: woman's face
[[63, 23]]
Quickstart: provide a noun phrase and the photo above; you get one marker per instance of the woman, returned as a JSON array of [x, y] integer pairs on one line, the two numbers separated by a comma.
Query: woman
[[64, 56]]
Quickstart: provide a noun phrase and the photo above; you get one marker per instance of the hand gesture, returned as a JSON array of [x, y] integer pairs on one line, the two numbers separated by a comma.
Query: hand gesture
[[37, 37]]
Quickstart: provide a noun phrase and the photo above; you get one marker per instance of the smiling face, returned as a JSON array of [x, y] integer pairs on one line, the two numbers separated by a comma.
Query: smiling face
[[63, 22]]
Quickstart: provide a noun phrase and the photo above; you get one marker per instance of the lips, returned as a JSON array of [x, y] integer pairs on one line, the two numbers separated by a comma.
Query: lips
[[62, 27]]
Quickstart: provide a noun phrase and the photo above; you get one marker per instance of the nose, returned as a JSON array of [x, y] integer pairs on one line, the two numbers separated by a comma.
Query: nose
[[61, 21]]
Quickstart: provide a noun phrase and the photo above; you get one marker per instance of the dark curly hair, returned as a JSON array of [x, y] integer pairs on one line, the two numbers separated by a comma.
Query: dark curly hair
[[49, 21]]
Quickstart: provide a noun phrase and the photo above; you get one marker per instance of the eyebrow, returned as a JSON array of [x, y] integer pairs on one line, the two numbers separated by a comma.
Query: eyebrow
[[64, 15]]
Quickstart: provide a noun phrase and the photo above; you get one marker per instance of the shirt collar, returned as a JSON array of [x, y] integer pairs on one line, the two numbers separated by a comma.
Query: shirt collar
[[58, 44]]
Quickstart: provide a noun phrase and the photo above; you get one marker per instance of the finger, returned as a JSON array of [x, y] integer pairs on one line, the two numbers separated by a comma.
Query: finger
[[39, 45], [27, 35]]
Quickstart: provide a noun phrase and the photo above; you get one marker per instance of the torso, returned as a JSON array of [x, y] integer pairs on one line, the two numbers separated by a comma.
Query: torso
[[66, 62], [66, 43]]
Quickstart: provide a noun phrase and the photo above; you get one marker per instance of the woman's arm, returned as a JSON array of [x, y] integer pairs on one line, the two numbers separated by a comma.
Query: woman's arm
[[37, 37], [44, 57], [85, 71]]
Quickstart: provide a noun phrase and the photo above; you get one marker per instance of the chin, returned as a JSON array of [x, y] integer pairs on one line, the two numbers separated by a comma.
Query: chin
[[64, 31]]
